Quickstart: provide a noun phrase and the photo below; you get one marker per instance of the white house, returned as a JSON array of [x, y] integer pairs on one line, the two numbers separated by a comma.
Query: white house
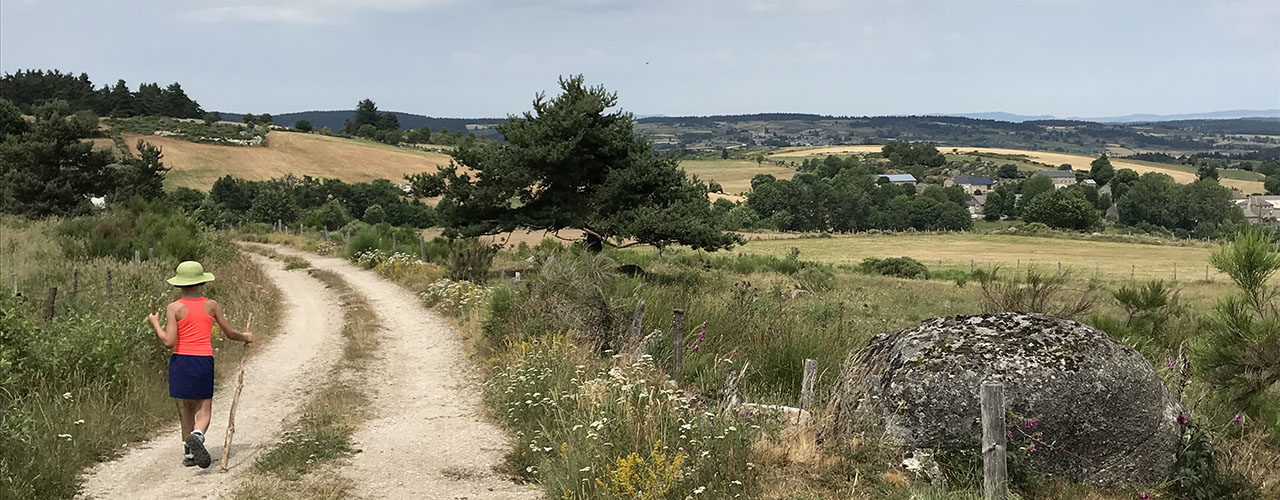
[[1061, 178], [970, 184]]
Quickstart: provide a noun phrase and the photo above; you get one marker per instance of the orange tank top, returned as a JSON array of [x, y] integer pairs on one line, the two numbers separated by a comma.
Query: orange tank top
[[195, 330]]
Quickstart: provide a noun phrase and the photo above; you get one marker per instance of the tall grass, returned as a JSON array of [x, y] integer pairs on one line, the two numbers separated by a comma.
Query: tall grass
[[74, 389]]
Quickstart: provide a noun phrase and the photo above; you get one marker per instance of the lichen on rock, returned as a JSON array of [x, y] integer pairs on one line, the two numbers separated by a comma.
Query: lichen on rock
[[1100, 411]]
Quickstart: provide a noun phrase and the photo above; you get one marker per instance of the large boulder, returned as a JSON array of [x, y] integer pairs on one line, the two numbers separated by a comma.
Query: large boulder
[[1095, 410]]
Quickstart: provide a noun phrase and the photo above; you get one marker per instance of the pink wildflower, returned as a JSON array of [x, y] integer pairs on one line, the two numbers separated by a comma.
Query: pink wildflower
[[1182, 420]]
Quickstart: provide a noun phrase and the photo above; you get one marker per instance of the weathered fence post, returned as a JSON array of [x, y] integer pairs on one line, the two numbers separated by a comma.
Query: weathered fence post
[[994, 473], [137, 256], [326, 232], [970, 266], [422, 247], [151, 254], [806, 386], [15, 284], [393, 242], [1133, 273], [108, 282], [279, 225], [1206, 272], [1097, 267], [75, 281], [48, 305], [677, 341], [1059, 269], [504, 275], [1175, 271]]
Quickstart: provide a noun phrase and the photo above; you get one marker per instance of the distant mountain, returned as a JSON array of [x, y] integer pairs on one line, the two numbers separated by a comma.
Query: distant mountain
[[1002, 116], [336, 119], [1212, 115], [1135, 118]]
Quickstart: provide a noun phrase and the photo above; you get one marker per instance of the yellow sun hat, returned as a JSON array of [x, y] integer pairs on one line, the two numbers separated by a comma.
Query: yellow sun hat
[[190, 273]]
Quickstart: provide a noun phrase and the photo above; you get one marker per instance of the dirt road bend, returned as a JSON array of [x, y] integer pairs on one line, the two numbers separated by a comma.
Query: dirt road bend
[[276, 379], [426, 438]]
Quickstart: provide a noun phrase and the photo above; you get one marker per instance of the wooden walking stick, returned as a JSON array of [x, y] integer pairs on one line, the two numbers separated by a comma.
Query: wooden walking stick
[[231, 420]]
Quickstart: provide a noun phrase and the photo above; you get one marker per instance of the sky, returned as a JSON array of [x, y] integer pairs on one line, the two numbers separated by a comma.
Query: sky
[[488, 58]]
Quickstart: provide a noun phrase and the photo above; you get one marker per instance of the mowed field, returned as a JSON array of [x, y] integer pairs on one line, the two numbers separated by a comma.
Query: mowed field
[[198, 165], [734, 176], [1112, 260], [1077, 162]]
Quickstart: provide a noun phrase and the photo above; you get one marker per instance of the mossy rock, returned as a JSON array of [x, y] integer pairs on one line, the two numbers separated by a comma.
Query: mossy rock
[[1095, 409]]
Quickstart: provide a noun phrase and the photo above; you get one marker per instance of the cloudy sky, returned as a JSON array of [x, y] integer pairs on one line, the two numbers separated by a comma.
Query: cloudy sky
[[473, 58]]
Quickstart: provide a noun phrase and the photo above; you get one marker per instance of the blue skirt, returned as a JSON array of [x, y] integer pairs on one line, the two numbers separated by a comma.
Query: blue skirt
[[190, 377]]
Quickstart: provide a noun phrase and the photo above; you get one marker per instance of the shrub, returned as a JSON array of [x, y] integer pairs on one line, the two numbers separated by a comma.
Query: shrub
[[590, 429], [901, 267], [470, 259], [1036, 292]]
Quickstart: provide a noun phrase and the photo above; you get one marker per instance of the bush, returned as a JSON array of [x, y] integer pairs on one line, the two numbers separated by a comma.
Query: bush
[[470, 259], [590, 429], [140, 227], [901, 267]]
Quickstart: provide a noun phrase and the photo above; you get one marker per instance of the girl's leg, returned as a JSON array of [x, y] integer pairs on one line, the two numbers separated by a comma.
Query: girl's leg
[[187, 415], [203, 412]]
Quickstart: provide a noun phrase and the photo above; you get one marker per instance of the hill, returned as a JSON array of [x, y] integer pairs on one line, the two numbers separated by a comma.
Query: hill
[[337, 118], [353, 160]]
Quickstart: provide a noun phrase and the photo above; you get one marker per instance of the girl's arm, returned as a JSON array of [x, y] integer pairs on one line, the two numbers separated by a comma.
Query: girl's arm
[[169, 334], [227, 330]]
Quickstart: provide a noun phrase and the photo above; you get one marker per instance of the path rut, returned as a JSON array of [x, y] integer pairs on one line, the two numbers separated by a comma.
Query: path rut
[[276, 379], [426, 438]]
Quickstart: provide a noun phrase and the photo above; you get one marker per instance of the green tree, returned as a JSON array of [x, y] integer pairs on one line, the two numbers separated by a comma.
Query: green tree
[[212, 118], [1032, 187], [366, 114], [233, 193], [1269, 168], [375, 215], [272, 203], [573, 163], [1150, 199], [248, 118], [46, 168], [186, 198], [388, 121], [303, 125], [1101, 171], [1063, 209], [141, 175], [1272, 184], [1124, 178], [332, 214], [1008, 171], [368, 131], [1207, 172]]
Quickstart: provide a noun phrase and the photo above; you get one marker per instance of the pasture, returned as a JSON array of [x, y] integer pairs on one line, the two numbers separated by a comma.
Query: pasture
[[734, 175], [1181, 174], [1111, 260], [198, 165]]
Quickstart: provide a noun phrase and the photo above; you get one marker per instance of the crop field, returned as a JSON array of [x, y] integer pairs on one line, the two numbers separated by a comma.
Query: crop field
[[199, 165], [734, 175], [1179, 173], [1111, 260]]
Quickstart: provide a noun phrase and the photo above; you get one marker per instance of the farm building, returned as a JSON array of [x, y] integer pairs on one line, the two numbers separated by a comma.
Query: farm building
[[1261, 209], [900, 178], [970, 184], [1061, 178]]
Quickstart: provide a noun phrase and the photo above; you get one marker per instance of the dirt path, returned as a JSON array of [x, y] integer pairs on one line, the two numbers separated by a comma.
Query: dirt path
[[276, 378], [425, 439]]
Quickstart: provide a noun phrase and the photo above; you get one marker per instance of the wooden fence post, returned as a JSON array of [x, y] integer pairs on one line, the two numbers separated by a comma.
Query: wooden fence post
[[1097, 268], [677, 341], [75, 281], [108, 282], [15, 284], [137, 256], [806, 386], [995, 485], [393, 242], [48, 305], [1175, 271], [1059, 269], [1206, 272], [637, 323], [422, 247], [151, 254], [326, 232], [1133, 273]]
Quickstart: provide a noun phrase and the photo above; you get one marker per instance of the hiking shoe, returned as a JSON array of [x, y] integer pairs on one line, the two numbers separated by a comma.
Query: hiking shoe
[[189, 461], [199, 454]]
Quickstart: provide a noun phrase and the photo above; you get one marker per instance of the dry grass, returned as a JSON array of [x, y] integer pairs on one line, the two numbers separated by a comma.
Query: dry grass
[[198, 165], [1113, 260], [733, 175], [1077, 162]]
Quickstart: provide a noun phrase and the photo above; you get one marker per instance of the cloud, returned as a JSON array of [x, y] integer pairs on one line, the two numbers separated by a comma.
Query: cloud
[[303, 12]]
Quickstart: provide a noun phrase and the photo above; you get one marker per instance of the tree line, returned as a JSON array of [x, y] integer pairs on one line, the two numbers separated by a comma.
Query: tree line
[[30, 88]]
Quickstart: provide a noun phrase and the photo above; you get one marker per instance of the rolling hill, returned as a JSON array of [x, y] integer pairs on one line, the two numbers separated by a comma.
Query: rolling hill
[[198, 165]]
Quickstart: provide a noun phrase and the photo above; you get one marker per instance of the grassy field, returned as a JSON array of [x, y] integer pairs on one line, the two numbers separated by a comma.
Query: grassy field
[[733, 175], [1179, 173], [199, 165], [1112, 260]]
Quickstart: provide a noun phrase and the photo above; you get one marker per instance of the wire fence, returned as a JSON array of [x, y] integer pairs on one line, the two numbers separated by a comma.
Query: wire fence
[[1099, 270]]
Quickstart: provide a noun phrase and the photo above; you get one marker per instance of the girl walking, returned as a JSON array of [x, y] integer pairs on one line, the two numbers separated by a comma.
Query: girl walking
[[188, 330]]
